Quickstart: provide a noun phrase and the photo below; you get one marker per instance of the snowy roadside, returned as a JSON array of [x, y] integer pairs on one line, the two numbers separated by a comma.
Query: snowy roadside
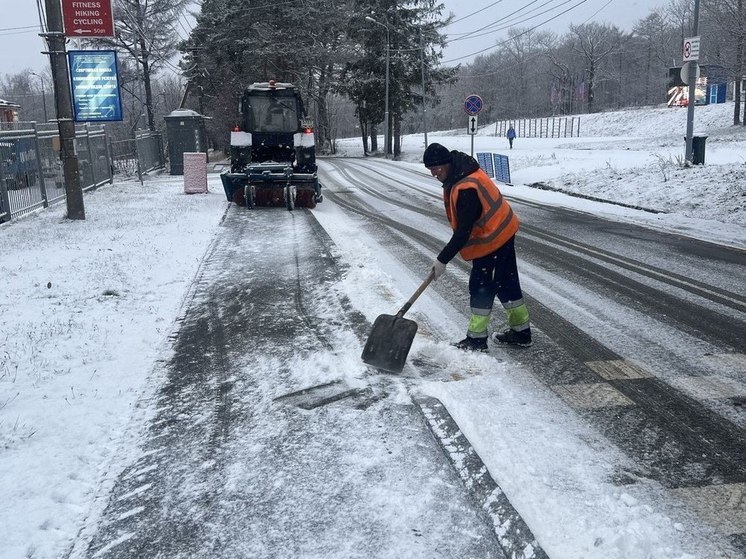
[[630, 157], [559, 472], [87, 306]]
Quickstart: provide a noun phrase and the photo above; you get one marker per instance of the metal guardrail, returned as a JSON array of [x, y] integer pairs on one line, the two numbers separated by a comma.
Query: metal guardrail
[[31, 173]]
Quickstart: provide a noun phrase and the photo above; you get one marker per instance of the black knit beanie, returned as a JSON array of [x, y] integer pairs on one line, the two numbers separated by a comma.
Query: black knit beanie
[[435, 155]]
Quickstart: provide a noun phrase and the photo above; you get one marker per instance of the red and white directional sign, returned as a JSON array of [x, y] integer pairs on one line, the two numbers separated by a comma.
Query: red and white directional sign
[[691, 49], [88, 18]]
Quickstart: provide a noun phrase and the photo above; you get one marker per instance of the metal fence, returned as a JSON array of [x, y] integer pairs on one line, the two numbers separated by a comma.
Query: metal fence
[[31, 173], [550, 127], [138, 155]]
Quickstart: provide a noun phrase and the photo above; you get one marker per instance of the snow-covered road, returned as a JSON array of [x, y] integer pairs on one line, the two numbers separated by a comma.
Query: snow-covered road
[[641, 334]]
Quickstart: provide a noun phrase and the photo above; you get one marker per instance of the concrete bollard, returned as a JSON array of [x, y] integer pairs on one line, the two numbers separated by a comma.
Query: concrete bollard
[[195, 173]]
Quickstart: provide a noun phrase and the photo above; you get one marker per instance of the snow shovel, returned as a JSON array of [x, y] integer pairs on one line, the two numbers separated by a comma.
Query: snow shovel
[[392, 336]]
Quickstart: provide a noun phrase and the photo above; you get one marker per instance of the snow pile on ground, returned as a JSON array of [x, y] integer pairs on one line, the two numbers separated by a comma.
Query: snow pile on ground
[[714, 191], [632, 157], [654, 122]]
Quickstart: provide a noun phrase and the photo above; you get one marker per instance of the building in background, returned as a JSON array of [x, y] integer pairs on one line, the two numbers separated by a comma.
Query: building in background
[[711, 86], [9, 111]]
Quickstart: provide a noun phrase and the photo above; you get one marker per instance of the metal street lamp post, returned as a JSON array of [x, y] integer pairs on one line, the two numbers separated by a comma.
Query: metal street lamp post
[[43, 94], [386, 110]]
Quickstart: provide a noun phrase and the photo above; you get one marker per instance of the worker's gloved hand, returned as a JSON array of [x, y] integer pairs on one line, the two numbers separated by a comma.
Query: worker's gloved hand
[[438, 269]]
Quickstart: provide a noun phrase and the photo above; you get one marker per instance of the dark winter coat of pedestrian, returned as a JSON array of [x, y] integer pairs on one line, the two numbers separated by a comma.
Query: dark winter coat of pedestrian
[[511, 136], [484, 228]]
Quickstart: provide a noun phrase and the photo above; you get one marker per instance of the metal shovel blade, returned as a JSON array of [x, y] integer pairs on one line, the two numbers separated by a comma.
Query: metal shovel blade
[[389, 342]]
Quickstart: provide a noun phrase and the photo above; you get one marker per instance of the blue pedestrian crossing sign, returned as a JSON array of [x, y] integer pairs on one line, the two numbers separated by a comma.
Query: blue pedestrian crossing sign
[[473, 104]]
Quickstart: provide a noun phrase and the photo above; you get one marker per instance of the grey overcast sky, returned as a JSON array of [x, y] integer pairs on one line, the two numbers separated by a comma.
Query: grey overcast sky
[[479, 25], [21, 47]]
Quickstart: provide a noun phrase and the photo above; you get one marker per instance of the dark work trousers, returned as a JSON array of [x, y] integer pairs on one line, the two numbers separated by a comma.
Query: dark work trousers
[[495, 275]]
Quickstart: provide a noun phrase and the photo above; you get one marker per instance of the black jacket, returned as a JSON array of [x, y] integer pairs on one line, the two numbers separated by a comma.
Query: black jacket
[[468, 206]]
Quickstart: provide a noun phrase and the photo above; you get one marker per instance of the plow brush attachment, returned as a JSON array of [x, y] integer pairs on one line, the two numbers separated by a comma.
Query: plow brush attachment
[[269, 187]]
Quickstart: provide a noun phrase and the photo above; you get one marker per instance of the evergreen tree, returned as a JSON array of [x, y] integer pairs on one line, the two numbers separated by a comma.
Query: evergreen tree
[[415, 42], [238, 42]]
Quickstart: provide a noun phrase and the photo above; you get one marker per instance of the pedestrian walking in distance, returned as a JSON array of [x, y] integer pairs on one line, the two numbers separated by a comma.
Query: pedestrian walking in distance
[[484, 228], [511, 135]]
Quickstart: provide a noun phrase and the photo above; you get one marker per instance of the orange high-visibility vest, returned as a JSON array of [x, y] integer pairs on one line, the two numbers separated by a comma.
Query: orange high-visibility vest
[[497, 223]]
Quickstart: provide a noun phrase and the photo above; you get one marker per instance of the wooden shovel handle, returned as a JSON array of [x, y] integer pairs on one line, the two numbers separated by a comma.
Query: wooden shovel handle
[[430, 277]]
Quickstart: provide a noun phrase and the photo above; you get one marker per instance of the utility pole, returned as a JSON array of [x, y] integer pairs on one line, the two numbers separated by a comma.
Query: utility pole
[[63, 102], [689, 155]]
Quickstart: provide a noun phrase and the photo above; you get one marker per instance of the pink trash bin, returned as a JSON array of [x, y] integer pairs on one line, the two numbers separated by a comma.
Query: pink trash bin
[[195, 173]]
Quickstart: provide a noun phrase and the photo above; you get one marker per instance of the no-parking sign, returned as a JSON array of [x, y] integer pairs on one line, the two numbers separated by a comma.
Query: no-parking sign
[[473, 104], [691, 49]]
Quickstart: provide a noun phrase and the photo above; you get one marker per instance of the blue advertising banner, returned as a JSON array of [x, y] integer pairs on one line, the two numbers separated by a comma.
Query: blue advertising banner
[[485, 162], [502, 168], [95, 85]]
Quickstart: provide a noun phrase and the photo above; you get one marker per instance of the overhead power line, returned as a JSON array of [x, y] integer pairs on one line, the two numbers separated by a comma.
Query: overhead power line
[[518, 35], [474, 13], [9, 33], [508, 22], [492, 24], [17, 28], [594, 14]]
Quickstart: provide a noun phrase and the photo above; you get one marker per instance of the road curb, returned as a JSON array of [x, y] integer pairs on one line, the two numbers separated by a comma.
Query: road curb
[[513, 534], [544, 186]]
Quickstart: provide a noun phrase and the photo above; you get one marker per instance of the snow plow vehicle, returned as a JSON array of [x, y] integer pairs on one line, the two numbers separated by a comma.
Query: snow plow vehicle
[[273, 153]]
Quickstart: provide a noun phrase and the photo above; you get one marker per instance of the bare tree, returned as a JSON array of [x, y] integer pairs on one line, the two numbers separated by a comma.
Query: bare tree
[[656, 45], [147, 34], [524, 53], [726, 41], [595, 43], [563, 73], [28, 90], [679, 14]]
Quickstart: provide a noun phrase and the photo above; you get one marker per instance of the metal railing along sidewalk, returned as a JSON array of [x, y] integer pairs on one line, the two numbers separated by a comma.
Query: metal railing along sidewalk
[[31, 173]]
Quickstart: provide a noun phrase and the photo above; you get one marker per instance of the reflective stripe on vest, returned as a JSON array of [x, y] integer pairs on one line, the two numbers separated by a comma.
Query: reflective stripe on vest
[[496, 225]]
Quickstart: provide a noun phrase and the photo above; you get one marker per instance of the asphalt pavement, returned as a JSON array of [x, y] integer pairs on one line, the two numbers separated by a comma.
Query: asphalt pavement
[[259, 446]]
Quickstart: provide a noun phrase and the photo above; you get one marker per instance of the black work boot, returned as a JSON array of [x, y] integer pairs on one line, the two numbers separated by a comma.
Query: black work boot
[[513, 337], [472, 344]]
